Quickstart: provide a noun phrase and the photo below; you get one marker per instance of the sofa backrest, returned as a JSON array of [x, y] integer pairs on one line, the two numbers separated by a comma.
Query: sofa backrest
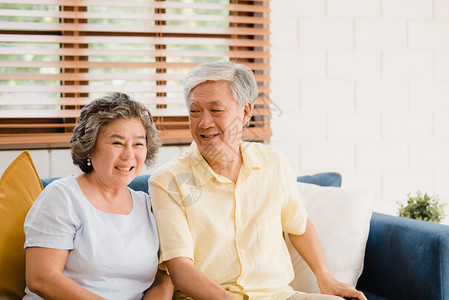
[[140, 183]]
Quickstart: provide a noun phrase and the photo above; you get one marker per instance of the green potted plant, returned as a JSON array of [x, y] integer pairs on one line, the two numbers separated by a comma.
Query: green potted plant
[[423, 207]]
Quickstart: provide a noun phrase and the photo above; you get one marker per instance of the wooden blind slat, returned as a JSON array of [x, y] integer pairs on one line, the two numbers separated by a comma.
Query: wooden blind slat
[[66, 113], [100, 76], [92, 64], [132, 16], [74, 113], [34, 141], [89, 89], [105, 52], [72, 125], [147, 4], [85, 100], [133, 40], [81, 101], [36, 113], [90, 76], [40, 125], [137, 28], [97, 89]]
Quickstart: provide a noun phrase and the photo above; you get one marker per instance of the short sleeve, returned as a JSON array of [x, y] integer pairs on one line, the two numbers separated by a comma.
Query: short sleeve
[[175, 238], [51, 221], [294, 214]]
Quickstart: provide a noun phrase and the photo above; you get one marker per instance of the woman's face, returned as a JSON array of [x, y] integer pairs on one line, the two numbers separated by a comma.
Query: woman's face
[[120, 152]]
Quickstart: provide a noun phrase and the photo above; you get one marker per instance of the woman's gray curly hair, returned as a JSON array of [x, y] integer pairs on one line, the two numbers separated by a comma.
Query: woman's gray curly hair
[[103, 111]]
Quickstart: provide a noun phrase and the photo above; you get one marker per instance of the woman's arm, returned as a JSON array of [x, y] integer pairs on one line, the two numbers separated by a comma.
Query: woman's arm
[[45, 277], [162, 287], [309, 247]]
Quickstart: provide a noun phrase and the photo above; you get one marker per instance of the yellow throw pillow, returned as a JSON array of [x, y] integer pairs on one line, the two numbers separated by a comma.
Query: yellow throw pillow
[[19, 187]]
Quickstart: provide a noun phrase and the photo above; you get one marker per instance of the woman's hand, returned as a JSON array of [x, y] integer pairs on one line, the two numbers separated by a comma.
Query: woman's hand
[[330, 286], [162, 287], [194, 283]]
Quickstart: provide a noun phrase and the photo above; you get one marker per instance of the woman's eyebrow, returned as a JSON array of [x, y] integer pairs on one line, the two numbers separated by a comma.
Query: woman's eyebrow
[[118, 136]]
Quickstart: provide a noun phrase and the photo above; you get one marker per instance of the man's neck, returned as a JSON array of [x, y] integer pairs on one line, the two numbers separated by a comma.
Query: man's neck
[[229, 167]]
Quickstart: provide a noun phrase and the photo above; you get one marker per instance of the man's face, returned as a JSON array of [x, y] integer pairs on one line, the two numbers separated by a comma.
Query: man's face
[[216, 120]]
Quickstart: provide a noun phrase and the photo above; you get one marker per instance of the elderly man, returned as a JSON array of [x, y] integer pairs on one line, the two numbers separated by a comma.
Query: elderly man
[[222, 208]]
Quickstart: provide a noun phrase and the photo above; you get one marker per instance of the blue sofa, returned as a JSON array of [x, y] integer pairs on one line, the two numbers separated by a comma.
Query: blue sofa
[[404, 259]]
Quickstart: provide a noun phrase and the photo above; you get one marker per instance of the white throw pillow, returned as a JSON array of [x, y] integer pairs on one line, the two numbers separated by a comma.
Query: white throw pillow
[[341, 218]]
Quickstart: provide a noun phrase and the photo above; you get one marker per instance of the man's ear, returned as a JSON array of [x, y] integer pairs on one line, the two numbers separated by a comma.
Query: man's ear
[[247, 109]]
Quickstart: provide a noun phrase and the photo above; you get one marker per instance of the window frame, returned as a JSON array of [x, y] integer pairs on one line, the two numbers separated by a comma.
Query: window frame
[[247, 39]]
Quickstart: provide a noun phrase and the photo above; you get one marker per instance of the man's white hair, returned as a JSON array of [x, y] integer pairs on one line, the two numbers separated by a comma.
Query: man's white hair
[[240, 77]]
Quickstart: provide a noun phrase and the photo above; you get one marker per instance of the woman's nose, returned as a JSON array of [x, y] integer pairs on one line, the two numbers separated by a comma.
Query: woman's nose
[[126, 152]]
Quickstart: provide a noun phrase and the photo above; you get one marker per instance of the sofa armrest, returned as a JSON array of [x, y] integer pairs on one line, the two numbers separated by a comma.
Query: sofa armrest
[[406, 259]]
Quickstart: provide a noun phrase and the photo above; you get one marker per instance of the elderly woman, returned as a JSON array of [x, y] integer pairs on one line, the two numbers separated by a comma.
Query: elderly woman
[[90, 236]]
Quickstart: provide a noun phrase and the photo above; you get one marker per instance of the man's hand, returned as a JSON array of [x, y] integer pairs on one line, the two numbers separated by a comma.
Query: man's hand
[[309, 247], [330, 286]]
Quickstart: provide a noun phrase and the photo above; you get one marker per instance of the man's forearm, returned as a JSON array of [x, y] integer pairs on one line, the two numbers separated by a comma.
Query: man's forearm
[[309, 247], [194, 283]]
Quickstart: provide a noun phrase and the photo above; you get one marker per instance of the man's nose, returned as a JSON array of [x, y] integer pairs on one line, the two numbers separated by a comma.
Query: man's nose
[[206, 120]]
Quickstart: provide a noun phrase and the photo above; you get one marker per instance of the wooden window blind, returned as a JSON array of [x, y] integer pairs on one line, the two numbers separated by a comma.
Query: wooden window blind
[[58, 55]]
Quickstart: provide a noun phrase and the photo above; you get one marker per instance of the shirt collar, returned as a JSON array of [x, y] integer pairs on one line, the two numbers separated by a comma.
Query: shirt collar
[[250, 157], [202, 172]]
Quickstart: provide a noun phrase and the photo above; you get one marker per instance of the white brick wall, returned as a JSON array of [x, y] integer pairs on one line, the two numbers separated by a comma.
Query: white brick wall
[[381, 96], [373, 100], [407, 126], [442, 64], [441, 9], [429, 96], [324, 157], [374, 33], [333, 32], [307, 63], [349, 64], [294, 8], [364, 8], [353, 126], [327, 95], [384, 156], [441, 125], [407, 64], [429, 34], [407, 8]]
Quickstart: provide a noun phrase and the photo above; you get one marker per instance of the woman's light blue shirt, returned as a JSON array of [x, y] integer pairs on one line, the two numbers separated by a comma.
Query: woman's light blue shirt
[[112, 255]]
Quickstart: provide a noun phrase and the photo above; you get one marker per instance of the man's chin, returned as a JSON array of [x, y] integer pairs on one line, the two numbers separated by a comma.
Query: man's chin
[[207, 145]]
